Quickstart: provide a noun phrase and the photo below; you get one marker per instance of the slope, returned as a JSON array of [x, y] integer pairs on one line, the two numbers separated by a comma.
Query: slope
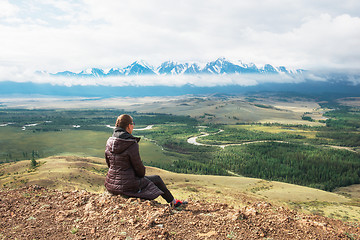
[[38, 213], [69, 173]]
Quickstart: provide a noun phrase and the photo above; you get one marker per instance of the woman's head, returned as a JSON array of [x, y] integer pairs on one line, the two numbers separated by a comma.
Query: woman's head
[[123, 121]]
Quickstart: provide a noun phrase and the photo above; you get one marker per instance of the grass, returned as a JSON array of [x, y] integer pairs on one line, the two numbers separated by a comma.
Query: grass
[[72, 170], [69, 166], [278, 129], [75, 172], [74, 230], [231, 110], [20, 144], [151, 153]]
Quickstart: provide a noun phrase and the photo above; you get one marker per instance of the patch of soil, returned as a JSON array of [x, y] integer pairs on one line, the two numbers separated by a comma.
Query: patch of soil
[[39, 213]]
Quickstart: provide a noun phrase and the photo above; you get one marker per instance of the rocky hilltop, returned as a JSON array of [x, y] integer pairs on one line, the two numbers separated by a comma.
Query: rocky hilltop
[[39, 213]]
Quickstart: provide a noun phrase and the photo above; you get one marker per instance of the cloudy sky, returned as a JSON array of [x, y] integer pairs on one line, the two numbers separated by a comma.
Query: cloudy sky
[[58, 35]]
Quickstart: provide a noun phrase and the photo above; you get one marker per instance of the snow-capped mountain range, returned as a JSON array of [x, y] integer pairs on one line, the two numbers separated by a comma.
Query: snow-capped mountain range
[[219, 67]]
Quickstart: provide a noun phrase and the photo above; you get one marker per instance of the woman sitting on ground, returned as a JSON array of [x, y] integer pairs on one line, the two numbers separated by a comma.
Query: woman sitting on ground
[[126, 174]]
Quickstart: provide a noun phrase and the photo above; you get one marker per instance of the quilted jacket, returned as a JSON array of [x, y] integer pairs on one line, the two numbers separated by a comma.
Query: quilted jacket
[[126, 174]]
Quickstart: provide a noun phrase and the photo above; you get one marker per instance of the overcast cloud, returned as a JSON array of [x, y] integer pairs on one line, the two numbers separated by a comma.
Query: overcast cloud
[[59, 35]]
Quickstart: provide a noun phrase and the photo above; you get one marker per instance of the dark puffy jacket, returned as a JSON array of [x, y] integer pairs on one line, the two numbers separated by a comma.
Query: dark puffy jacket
[[126, 171]]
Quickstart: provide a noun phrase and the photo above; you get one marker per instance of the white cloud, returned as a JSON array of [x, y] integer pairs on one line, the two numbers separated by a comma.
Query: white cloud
[[148, 80], [322, 42], [7, 9], [73, 35]]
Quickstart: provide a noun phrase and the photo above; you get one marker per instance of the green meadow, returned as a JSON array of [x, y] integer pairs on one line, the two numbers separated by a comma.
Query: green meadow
[[17, 144]]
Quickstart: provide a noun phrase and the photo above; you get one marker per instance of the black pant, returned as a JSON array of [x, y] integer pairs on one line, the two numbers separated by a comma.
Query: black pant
[[156, 179]]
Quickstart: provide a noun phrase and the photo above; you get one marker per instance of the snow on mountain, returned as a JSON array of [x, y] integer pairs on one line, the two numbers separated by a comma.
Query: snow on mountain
[[138, 68], [223, 66], [63, 74], [91, 72], [193, 69], [268, 69], [251, 67], [115, 72], [172, 68], [220, 66]]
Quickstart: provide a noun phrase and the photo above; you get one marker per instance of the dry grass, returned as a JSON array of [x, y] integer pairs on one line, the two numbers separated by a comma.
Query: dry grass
[[278, 129], [224, 111], [351, 101], [353, 191], [73, 172]]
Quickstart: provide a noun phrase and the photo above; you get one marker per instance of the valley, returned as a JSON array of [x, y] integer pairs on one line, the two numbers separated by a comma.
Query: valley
[[226, 109], [278, 147]]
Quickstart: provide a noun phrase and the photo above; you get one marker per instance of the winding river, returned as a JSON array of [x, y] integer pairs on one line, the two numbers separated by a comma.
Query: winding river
[[135, 129], [193, 141]]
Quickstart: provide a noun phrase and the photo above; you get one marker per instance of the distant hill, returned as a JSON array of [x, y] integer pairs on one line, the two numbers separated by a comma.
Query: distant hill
[[331, 88]]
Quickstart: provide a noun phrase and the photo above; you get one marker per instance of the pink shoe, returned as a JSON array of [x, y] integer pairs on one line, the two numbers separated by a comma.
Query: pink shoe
[[178, 203]]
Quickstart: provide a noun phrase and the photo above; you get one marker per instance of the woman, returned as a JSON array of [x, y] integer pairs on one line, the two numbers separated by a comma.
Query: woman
[[126, 174]]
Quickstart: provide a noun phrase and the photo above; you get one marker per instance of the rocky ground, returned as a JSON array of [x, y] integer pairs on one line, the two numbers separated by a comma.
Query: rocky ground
[[39, 213]]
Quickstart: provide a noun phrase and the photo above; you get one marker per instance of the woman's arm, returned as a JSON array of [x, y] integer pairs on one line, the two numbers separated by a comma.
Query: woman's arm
[[135, 160], [107, 159]]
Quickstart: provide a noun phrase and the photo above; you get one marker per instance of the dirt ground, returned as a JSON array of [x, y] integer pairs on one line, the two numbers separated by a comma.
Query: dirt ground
[[39, 213]]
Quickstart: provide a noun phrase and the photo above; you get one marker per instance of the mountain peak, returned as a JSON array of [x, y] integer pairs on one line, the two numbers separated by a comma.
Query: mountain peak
[[142, 63], [139, 68], [173, 68], [220, 66]]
